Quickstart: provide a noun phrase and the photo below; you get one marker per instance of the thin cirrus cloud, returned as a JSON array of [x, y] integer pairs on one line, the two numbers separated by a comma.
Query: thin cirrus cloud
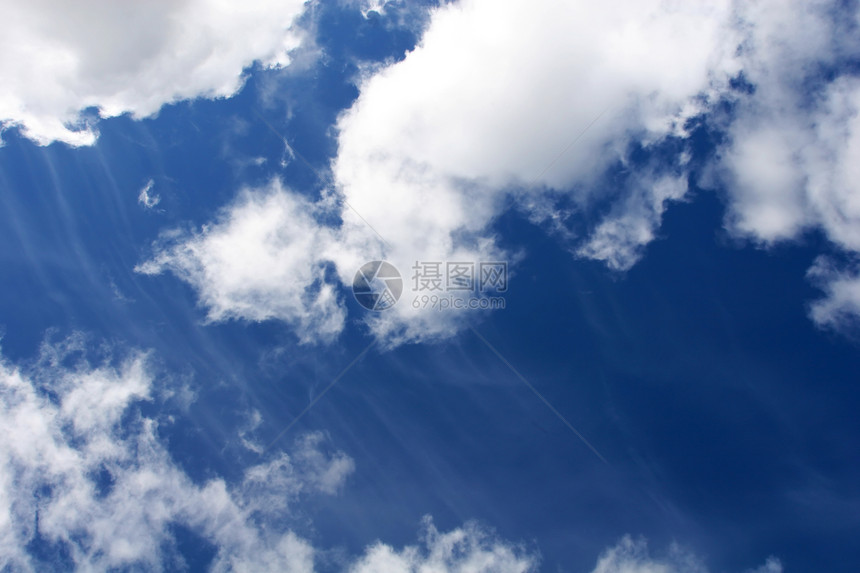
[[483, 106], [58, 59], [85, 476]]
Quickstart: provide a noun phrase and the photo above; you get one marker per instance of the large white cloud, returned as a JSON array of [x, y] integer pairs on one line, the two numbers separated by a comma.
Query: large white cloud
[[437, 144], [472, 548], [774, 128], [58, 58]]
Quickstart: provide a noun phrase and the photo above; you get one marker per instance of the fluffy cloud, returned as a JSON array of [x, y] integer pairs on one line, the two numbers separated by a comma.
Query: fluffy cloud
[[57, 58], [629, 556], [790, 162], [840, 308], [85, 476], [265, 258], [480, 115], [82, 471], [434, 145], [473, 549], [619, 239], [788, 159], [468, 548], [146, 198], [632, 556]]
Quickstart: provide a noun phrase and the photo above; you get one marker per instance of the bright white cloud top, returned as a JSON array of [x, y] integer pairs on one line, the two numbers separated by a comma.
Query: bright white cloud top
[[58, 59]]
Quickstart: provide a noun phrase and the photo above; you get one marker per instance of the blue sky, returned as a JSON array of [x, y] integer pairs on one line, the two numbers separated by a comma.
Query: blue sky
[[187, 382]]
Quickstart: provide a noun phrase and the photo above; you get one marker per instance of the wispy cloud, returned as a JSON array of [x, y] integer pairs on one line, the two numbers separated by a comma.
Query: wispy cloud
[[145, 198], [468, 548]]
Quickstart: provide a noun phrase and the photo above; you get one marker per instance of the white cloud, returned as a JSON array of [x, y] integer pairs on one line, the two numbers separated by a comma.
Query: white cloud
[[145, 198], [70, 428], [264, 258], [777, 136], [473, 120], [367, 6], [254, 419], [790, 164], [772, 565], [629, 556], [438, 144], [621, 236], [82, 470], [468, 549], [494, 92], [840, 308], [475, 549], [632, 556], [435, 144], [65, 426], [58, 58]]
